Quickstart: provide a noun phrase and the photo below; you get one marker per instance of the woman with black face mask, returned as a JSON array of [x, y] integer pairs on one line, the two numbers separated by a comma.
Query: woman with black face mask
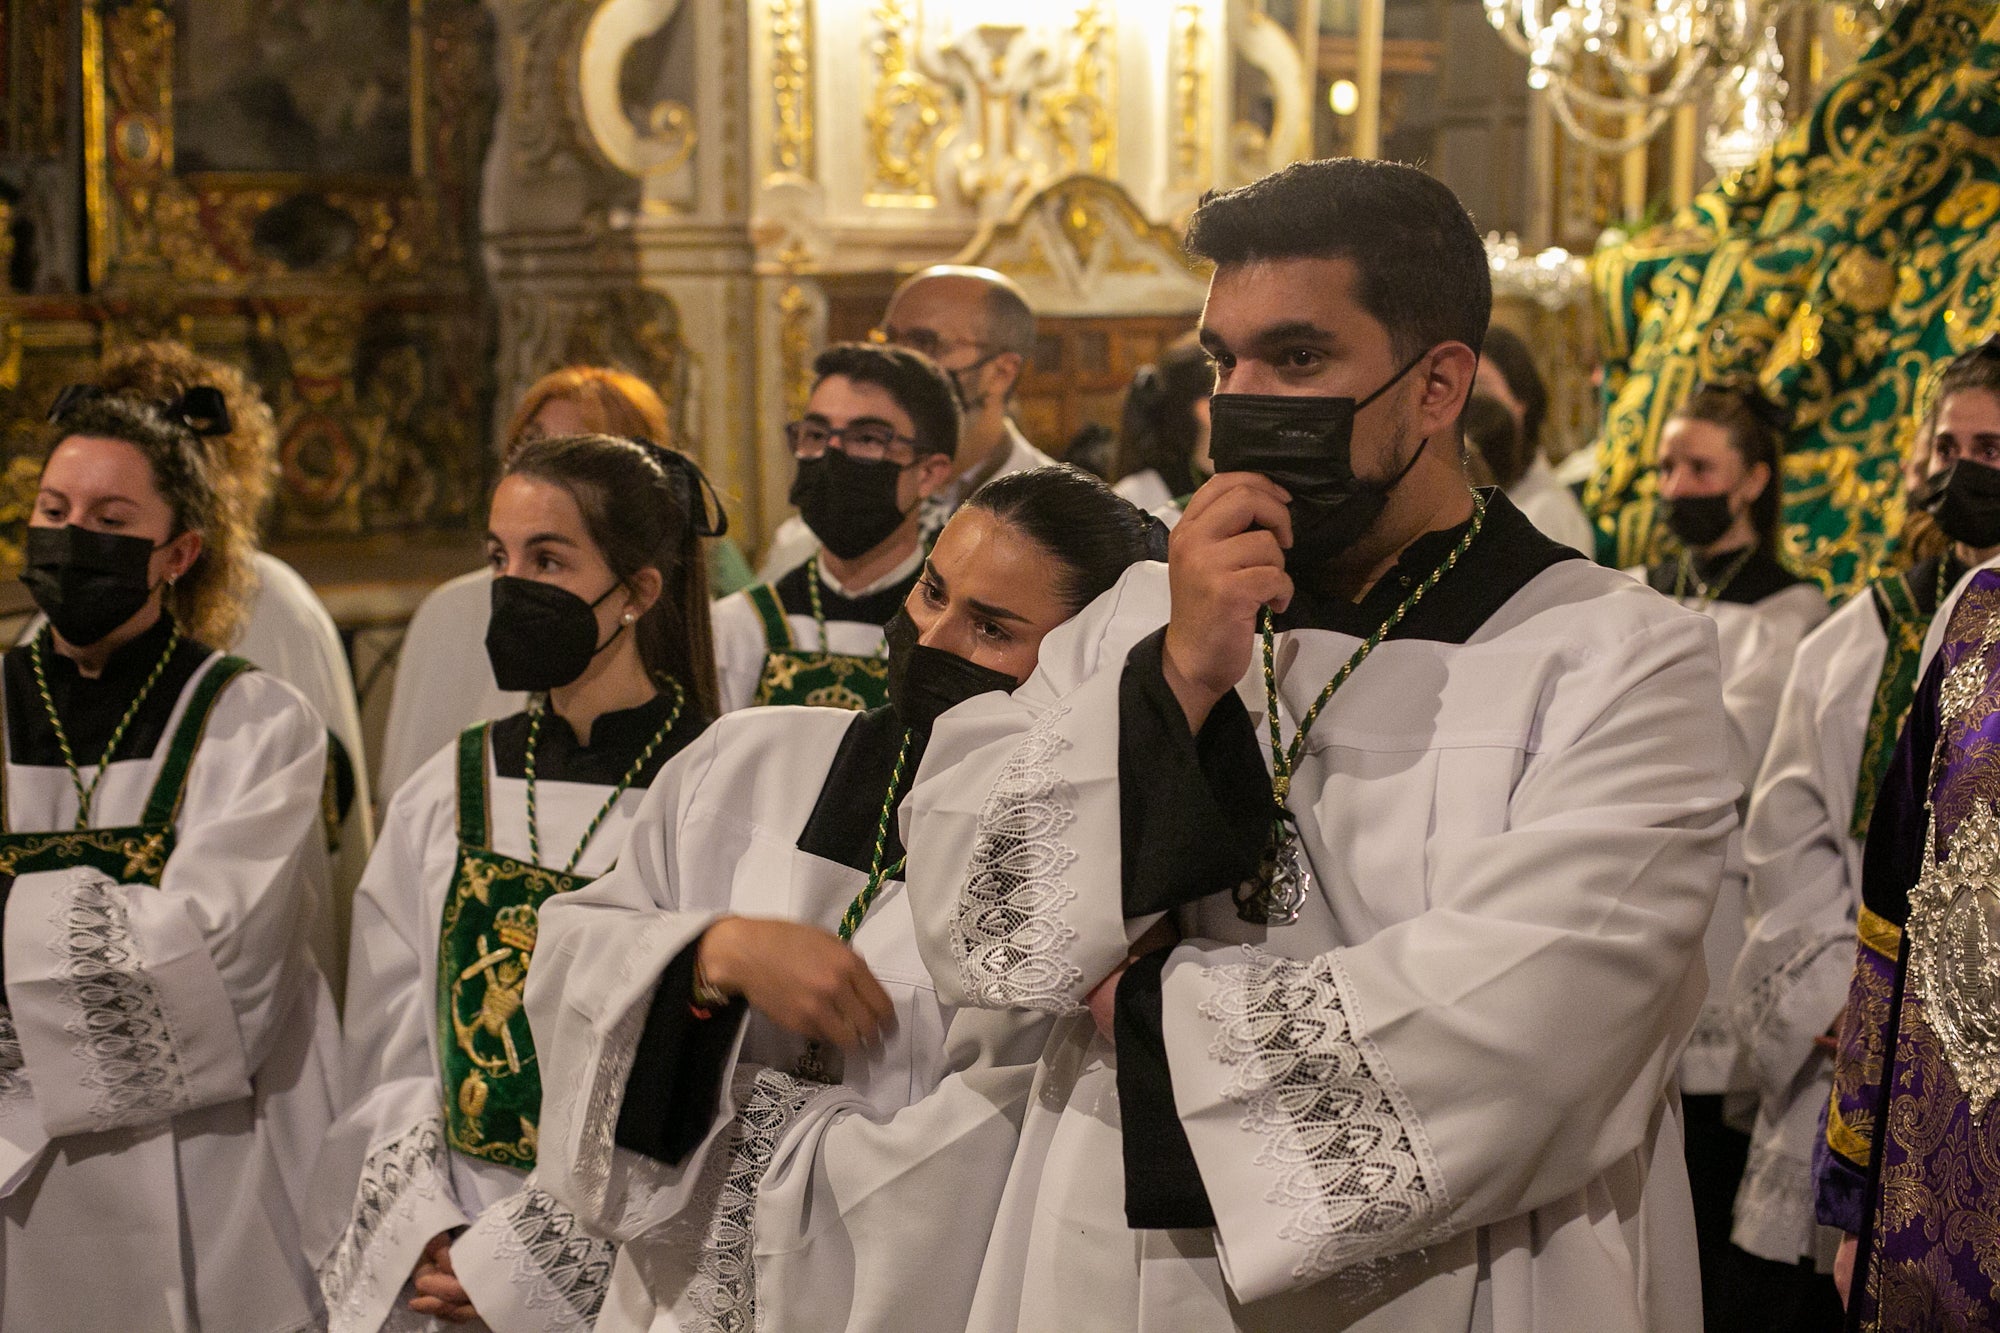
[[168, 1045], [740, 1005], [1721, 490], [599, 613], [1851, 689], [877, 439]]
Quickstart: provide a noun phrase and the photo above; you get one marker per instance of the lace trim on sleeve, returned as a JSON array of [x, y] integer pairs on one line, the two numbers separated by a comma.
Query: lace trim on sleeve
[[1753, 1013], [396, 1178], [1009, 936], [124, 1040], [597, 1134], [722, 1297], [561, 1270], [12, 1063], [1351, 1159]]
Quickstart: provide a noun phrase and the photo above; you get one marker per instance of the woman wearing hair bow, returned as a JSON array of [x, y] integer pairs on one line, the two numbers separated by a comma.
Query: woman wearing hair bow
[[1721, 492], [168, 1048], [600, 614]]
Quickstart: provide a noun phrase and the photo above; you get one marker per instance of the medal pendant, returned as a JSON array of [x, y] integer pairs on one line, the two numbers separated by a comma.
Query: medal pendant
[[818, 1064], [1275, 895]]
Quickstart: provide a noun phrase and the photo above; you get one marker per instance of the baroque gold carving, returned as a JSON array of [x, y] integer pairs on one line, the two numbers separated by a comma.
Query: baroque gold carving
[[1190, 82], [1077, 115], [791, 87], [904, 114], [666, 140], [795, 347]]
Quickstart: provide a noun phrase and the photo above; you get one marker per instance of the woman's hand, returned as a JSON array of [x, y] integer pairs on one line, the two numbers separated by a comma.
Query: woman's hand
[[1843, 1268], [798, 976], [439, 1293]]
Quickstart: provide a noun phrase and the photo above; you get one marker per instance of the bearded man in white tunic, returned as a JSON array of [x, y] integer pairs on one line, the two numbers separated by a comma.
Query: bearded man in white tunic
[[1377, 834]]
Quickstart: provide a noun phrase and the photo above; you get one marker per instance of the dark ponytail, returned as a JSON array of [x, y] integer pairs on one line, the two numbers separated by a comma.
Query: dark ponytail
[[1092, 532], [641, 515]]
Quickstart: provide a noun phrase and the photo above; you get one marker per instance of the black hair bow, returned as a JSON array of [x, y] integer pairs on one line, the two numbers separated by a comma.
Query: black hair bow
[[697, 493], [201, 410]]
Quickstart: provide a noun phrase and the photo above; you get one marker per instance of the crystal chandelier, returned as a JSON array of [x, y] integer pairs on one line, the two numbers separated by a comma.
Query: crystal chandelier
[[1637, 61]]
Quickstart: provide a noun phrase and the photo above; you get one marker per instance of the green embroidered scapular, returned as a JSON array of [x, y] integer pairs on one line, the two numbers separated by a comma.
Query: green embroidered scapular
[[131, 853], [821, 679]]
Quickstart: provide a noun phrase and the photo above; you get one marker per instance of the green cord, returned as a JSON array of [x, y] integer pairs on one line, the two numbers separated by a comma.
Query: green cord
[[535, 711], [86, 794]]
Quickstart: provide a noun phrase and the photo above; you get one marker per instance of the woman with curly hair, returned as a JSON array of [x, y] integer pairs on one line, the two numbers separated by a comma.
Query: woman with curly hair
[[168, 1050], [280, 624]]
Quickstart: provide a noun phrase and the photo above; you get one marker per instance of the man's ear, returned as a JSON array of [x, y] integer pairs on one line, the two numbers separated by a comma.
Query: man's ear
[[1447, 384], [1011, 364], [933, 471]]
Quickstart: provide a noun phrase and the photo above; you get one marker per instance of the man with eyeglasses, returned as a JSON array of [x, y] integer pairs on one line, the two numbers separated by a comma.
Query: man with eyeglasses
[[976, 325], [877, 441]]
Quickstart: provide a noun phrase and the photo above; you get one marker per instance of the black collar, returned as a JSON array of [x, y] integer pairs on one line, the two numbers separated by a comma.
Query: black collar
[[1506, 556], [842, 825], [1761, 576], [875, 608], [91, 709], [616, 739]]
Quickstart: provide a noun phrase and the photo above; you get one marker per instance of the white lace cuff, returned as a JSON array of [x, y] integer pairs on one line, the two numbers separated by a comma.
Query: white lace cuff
[[402, 1200], [120, 1011], [1009, 936], [529, 1265], [1344, 1170]]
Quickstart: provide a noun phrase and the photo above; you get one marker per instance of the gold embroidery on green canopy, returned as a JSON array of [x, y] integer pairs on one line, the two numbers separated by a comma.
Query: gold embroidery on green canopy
[[818, 679], [132, 853], [1839, 271]]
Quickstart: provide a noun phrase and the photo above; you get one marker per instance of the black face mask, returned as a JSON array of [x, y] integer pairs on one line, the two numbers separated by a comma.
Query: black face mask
[[1697, 520], [850, 506], [1965, 501], [1306, 445], [87, 583], [539, 636], [926, 683]]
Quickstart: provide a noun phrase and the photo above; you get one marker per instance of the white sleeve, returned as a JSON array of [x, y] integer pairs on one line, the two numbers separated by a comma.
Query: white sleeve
[[819, 1214], [597, 963], [530, 1265], [1013, 822], [1792, 977], [739, 649], [382, 1182], [135, 1003], [1505, 1047]]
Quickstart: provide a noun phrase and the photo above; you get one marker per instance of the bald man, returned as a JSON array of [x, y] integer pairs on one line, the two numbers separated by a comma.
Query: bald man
[[976, 324]]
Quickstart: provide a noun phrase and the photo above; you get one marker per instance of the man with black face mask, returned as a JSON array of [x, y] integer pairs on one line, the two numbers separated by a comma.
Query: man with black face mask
[[877, 440], [977, 326], [1377, 832]]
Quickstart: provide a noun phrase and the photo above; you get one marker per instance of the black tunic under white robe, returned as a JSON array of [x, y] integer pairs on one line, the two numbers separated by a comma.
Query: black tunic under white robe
[[743, 1195], [177, 1058], [1445, 1097]]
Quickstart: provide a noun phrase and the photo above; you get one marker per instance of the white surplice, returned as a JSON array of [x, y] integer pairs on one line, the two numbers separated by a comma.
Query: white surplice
[[859, 1205], [1804, 889], [1757, 641], [1445, 1097], [1553, 508], [387, 1179], [180, 1045], [741, 643], [444, 682]]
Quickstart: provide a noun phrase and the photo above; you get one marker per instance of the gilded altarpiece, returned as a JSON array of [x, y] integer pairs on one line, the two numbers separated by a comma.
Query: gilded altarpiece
[[293, 189]]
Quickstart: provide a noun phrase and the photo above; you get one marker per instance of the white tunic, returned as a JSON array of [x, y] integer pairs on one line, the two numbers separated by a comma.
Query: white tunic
[[444, 682], [1804, 888], [1757, 642], [387, 1179], [157, 1163], [1445, 1097], [1552, 507], [741, 643], [1146, 489], [861, 1205], [290, 634]]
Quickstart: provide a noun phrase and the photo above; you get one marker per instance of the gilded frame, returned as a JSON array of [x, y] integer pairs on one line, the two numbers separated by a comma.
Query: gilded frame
[[149, 222]]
